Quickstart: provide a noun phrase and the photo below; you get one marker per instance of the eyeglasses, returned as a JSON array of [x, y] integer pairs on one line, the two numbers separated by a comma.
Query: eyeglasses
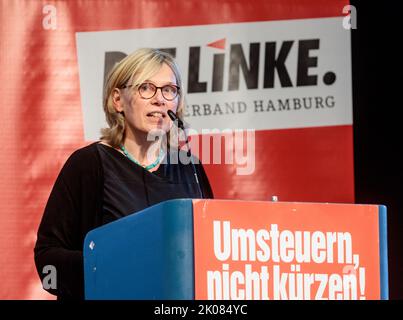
[[147, 90]]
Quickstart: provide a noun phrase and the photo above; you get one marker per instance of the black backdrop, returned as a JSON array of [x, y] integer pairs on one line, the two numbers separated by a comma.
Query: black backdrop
[[378, 127]]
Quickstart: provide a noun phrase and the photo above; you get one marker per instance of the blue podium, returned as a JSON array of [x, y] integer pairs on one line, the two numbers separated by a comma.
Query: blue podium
[[146, 255]]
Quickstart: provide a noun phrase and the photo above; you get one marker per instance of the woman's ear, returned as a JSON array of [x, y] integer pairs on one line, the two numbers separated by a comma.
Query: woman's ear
[[117, 100]]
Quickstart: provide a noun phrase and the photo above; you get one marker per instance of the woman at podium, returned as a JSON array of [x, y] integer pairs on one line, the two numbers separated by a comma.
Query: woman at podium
[[131, 168]]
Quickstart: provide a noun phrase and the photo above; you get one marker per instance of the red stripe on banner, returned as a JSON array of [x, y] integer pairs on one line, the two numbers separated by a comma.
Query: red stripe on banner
[[113, 15], [310, 164]]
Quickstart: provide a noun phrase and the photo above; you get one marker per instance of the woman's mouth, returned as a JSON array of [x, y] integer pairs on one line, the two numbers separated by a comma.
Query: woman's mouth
[[156, 114]]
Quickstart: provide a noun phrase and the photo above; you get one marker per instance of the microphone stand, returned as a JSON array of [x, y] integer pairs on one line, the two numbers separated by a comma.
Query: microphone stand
[[179, 124]]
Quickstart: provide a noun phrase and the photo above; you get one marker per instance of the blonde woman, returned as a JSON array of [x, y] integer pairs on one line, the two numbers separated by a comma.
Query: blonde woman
[[123, 173]]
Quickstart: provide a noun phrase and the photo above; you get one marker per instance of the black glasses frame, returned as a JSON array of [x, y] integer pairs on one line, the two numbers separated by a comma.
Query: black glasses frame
[[156, 89]]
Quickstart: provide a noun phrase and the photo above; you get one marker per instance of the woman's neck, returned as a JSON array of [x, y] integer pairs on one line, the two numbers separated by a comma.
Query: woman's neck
[[143, 150]]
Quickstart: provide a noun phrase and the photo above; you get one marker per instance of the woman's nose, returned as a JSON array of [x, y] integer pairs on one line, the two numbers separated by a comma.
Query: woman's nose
[[159, 97]]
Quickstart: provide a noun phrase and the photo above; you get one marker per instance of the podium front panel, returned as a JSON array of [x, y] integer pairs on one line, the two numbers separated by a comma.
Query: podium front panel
[[283, 250], [142, 256]]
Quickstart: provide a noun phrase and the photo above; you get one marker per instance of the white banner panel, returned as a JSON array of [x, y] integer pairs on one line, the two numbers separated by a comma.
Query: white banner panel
[[259, 75]]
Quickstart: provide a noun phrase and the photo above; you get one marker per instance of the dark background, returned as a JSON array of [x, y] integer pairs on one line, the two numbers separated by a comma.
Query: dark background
[[378, 128]]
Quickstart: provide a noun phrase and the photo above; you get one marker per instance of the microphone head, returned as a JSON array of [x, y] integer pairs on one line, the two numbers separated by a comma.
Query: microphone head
[[172, 115], [175, 118]]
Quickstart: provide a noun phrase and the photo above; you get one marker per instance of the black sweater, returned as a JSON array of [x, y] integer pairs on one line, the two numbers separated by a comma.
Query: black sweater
[[97, 185]]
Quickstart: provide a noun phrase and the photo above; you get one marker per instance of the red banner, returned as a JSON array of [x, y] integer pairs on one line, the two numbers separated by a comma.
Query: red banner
[[304, 154]]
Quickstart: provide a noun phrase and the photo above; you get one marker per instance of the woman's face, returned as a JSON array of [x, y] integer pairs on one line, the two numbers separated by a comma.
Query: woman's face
[[143, 115]]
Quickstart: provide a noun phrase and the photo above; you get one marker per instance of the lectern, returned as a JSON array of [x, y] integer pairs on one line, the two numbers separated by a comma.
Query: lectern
[[222, 249]]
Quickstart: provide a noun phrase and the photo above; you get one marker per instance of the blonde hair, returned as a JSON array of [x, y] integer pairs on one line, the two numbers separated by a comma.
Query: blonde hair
[[134, 70]]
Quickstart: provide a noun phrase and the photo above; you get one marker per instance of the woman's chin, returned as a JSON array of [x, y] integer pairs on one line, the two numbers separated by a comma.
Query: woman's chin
[[157, 129]]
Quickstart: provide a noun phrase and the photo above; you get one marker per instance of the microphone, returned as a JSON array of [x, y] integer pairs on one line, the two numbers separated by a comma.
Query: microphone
[[175, 119]]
